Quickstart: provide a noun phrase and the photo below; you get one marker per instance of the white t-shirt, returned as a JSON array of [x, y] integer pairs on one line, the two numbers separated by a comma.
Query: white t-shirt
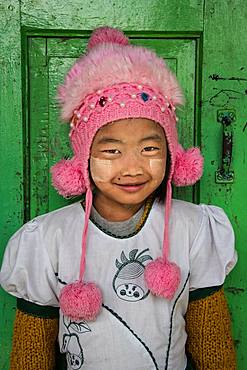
[[135, 330]]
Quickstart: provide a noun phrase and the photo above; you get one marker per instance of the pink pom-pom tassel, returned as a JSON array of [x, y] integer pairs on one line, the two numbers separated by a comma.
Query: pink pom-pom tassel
[[188, 166], [162, 278], [67, 177], [81, 301]]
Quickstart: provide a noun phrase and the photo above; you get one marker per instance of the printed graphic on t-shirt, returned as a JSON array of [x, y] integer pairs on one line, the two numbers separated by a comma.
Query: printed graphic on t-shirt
[[71, 343], [128, 282]]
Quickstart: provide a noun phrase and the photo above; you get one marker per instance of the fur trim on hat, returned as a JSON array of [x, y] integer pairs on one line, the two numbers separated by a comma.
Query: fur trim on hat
[[111, 63]]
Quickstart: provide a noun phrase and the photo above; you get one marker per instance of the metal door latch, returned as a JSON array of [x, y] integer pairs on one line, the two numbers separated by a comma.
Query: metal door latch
[[225, 174]]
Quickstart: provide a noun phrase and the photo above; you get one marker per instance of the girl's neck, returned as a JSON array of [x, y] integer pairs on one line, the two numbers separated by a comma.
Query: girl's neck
[[114, 211]]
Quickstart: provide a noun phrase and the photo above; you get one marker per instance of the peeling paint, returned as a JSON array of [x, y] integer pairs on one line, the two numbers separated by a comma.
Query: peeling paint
[[216, 77], [224, 97], [235, 290]]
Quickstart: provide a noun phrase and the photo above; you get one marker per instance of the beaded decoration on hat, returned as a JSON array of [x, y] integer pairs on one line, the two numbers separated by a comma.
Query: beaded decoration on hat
[[115, 80]]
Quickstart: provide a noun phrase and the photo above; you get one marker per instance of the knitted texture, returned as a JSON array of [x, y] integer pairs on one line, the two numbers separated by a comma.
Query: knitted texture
[[208, 327], [108, 105], [34, 340]]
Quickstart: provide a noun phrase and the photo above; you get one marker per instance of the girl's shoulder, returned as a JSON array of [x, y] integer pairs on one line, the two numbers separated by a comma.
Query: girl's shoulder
[[199, 220], [194, 214], [32, 253], [54, 219]]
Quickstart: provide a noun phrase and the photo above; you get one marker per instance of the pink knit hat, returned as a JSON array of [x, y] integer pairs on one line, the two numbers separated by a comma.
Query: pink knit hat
[[115, 80]]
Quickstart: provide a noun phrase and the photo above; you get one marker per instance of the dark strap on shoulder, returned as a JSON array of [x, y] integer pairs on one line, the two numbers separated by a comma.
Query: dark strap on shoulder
[[33, 309], [203, 292]]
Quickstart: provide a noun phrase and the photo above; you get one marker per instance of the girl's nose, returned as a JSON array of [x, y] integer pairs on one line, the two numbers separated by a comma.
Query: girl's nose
[[132, 165]]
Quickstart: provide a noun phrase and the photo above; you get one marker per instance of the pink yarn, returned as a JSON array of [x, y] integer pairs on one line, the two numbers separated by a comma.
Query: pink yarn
[[89, 202], [107, 34], [110, 64], [67, 177], [81, 301], [188, 166], [162, 277]]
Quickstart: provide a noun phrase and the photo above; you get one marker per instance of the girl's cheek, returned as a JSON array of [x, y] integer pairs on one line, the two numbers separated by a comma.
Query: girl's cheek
[[157, 167], [101, 169]]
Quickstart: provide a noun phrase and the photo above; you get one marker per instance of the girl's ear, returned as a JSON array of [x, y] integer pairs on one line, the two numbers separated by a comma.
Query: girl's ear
[[67, 177]]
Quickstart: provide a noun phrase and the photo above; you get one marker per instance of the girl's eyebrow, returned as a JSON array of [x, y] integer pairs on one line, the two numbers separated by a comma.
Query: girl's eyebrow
[[154, 137], [107, 140]]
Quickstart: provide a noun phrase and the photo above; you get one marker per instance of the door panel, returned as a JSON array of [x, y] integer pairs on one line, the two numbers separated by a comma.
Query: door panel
[[49, 59]]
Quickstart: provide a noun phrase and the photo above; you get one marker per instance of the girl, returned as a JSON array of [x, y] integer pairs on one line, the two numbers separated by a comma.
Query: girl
[[137, 276]]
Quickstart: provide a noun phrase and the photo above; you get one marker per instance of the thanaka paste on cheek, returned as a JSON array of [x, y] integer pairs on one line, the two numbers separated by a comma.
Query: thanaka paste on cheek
[[157, 167], [101, 169]]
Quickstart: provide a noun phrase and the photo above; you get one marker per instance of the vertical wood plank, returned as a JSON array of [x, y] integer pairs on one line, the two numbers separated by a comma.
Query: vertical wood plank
[[224, 87], [11, 159], [38, 126]]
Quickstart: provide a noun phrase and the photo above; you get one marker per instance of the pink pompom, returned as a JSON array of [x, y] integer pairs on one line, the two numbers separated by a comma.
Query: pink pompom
[[67, 177], [188, 166], [81, 301], [162, 277], [107, 34]]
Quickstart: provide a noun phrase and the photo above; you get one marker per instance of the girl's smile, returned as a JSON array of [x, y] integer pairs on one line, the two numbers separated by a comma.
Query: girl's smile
[[127, 164]]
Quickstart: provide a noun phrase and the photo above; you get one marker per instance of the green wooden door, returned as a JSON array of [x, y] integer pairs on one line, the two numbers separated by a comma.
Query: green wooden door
[[46, 37], [48, 61]]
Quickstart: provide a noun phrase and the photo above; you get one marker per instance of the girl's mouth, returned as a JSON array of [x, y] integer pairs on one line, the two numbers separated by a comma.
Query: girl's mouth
[[131, 188]]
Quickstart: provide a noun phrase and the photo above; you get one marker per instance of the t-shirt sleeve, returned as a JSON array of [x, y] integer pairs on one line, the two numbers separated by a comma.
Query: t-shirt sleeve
[[27, 271], [212, 254]]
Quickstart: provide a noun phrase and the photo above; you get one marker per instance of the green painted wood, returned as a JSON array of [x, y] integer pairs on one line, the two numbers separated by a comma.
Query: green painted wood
[[11, 157], [38, 126], [159, 15], [224, 87]]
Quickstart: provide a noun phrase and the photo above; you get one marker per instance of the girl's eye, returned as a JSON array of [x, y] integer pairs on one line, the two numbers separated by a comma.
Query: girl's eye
[[111, 151], [150, 149]]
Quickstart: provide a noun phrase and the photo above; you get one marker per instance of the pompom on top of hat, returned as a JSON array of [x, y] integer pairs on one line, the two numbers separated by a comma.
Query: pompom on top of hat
[[188, 166], [107, 35], [81, 301], [67, 177], [162, 277]]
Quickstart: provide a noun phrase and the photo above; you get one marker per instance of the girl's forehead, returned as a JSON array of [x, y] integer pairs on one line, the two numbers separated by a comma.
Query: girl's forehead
[[125, 128]]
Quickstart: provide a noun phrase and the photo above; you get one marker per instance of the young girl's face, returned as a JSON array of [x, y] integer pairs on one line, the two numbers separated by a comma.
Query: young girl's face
[[127, 163]]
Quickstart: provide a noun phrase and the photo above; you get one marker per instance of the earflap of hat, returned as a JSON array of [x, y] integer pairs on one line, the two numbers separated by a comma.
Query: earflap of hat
[[67, 177], [188, 166]]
